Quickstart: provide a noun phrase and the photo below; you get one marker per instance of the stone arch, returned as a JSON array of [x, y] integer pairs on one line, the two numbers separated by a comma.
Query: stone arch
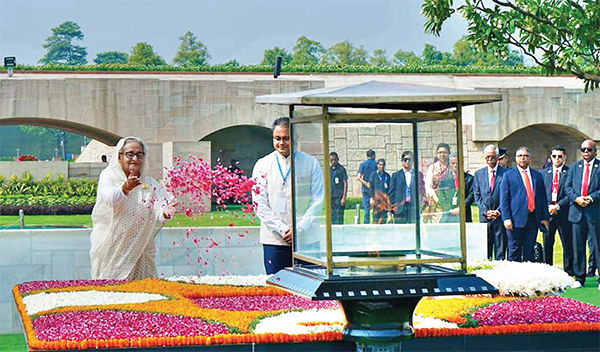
[[98, 134], [245, 143], [540, 138]]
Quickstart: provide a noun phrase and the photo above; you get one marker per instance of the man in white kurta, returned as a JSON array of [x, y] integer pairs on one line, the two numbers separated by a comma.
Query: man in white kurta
[[272, 199]]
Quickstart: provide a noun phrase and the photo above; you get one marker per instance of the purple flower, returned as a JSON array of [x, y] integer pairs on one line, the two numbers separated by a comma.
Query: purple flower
[[44, 285], [536, 311], [77, 326]]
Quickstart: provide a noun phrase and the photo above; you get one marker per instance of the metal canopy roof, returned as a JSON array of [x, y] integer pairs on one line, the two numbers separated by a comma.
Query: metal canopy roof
[[384, 95]]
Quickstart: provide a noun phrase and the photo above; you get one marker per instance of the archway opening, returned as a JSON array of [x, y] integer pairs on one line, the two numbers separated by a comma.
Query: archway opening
[[540, 139], [246, 144]]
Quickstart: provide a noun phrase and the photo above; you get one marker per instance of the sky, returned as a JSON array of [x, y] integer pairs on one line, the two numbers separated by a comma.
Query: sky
[[230, 29]]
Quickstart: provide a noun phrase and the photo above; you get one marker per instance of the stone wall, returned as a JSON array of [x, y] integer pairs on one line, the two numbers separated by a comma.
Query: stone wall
[[389, 141]]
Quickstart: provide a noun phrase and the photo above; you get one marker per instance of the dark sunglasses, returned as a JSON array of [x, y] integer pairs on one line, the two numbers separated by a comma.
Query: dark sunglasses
[[406, 160], [557, 156], [587, 150]]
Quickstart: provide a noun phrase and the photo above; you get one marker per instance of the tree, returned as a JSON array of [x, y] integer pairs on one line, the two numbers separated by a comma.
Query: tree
[[270, 56], [431, 56], [559, 35], [192, 52], [466, 54], [111, 58], [379, 58], [407, 58], [307, 52], [344, 53], [143, 54], [59, 137], [232, 62], [61, 49]]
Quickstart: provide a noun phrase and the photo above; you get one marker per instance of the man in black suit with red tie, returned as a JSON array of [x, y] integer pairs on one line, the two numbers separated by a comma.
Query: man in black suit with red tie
[[486, 189], [583, 189], [558, 206]]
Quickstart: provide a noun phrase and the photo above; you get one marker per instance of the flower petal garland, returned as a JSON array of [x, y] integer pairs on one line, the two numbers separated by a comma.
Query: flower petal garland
[[525, 279], [221, 313]]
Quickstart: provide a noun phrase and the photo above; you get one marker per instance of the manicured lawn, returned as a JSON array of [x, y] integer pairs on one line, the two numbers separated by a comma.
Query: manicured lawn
[[220, 218], [13, 343]]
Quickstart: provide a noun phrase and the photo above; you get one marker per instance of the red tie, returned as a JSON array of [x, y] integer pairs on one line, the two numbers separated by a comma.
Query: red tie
[[456, 181], [529, 190], [555, 184], [493, 182], [586, 180]]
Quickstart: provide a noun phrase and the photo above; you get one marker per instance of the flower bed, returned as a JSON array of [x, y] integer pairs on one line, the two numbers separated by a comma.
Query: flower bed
[[87, 314]]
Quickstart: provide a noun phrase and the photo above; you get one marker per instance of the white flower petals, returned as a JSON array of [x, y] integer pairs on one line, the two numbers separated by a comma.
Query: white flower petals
[[288, 323], [45, 301], [421, 322], [525, 279]]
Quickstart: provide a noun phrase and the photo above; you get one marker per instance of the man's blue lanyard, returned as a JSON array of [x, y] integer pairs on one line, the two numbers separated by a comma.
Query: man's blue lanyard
[[281, 171]]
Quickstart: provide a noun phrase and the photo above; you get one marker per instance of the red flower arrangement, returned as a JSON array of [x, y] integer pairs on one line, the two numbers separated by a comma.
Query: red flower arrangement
[[27, 158]]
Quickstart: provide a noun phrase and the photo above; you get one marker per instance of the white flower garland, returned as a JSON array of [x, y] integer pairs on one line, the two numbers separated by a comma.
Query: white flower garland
[[288, 323], [421, 322], [45, 301], [235, 280], [525, 279]]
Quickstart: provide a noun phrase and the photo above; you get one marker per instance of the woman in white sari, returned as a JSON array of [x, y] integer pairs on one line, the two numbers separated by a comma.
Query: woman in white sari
[[131, 207]]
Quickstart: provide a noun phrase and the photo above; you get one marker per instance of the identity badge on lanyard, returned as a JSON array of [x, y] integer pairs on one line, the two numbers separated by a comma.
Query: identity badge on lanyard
[[281, 171]]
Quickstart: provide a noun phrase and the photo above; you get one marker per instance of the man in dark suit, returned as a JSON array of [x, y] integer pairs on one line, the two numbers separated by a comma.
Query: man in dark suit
[[558, 206], [403, 191], [486, 189], [583, 189], [523, 205]]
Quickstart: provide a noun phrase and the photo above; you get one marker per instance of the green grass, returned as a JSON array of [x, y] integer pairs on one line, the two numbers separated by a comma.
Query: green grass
[[218, 218], [12, 343]]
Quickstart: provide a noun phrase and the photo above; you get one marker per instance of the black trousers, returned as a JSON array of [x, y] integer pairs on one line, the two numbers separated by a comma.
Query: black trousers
[[565, 231], [581, 231], [337, 211], [497, 240]]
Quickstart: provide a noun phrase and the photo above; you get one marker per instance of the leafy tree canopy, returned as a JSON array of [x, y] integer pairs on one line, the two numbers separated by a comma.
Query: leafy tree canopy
[[143, 54], [61, 49], [379, 58], [307, 52], [111, 58], [407, 58], [192, 52], [232, 62], [344, 53], [559, 35], [270, 56]]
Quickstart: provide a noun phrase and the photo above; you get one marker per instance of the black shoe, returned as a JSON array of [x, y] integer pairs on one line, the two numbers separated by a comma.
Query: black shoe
[[591, 273]]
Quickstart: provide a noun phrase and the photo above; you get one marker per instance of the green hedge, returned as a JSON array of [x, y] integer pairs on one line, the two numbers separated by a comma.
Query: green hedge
[[23, 200], [48, 186], [321, 68]]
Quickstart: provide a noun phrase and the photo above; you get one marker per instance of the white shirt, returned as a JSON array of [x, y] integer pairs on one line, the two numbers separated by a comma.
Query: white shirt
[[408, 177], [554, 169], [273, 199]]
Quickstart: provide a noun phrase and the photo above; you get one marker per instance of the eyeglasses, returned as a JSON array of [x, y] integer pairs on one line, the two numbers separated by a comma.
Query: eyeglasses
[[130, 155], [523, 156], [557, 156], [406, 160], [587, 150]]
